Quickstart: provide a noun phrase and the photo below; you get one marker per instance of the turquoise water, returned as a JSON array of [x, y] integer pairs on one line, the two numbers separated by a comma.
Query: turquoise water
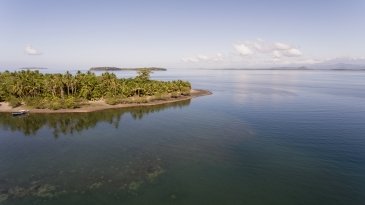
[[263, 137]]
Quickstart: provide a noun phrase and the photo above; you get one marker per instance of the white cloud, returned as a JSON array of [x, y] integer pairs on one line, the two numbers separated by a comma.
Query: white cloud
[[203, 57], [31, 51], [263, 49], [218, 57], [281, 46], [255, 53], [243, 49], [292, 52], [260, 47], [276, 54]]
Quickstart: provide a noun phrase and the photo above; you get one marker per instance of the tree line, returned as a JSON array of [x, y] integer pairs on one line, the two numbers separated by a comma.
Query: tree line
[[56, 91]]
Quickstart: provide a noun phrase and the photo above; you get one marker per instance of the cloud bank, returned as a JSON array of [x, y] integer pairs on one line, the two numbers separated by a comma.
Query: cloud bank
[[261, 47], [29, 50], [255, 52], [243, 49]]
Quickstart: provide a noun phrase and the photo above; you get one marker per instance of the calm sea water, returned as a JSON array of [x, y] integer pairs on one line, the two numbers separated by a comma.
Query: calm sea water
[[263, 137]]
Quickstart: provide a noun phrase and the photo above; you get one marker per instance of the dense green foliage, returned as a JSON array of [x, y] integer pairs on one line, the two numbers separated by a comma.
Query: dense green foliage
[[56, 91]]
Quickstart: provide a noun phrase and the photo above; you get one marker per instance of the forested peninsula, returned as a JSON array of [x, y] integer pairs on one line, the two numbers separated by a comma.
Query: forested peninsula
[[85, 92]]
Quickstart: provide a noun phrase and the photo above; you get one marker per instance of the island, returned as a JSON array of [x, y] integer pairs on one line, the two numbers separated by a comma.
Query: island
[[126, 69], [87, 92], [33, 68]]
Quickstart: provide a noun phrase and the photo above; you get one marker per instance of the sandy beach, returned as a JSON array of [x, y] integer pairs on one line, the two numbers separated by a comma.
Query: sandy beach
[[93, 106]]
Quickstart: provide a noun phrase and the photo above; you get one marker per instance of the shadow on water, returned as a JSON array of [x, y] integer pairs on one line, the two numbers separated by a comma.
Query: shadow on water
[[69, 123]]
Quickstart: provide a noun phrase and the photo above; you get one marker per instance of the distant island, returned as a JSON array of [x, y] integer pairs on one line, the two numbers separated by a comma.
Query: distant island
[[33, 68], [334, 67], [127, 69], [87, 92]]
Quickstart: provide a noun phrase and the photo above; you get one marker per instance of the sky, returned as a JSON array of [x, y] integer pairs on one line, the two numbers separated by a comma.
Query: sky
[[179, 34]]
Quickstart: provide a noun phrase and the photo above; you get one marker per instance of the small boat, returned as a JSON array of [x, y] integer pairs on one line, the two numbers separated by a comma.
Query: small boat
[[20, 112]]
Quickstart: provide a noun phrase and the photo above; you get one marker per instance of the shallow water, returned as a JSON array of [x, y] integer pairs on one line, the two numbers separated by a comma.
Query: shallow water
[[263, 137]]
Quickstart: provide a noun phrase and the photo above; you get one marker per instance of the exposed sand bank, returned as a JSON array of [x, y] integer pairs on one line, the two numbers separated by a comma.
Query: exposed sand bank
[[93, 106]]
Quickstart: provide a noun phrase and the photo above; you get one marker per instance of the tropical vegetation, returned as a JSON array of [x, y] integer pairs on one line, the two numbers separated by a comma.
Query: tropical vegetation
[[56, 91]]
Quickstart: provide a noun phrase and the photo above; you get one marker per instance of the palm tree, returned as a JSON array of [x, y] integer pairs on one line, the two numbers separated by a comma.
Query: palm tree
[[32, 84]]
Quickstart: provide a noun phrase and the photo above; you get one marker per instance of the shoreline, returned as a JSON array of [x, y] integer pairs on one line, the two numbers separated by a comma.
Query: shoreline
[[94, 106]]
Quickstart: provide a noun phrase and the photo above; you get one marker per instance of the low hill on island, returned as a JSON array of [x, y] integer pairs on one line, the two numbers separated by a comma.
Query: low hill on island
[[33, 68]]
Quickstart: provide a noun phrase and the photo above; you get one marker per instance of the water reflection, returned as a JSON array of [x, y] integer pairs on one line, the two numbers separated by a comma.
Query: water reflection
[[271, 87], [239, 145], [70, 123]]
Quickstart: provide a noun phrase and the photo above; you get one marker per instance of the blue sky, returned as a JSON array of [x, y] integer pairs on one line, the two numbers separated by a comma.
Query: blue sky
[[80, 34]]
